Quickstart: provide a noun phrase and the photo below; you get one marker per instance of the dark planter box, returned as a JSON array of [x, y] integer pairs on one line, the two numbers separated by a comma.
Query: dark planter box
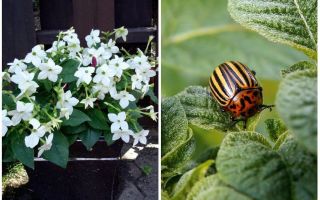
[[89, 174]]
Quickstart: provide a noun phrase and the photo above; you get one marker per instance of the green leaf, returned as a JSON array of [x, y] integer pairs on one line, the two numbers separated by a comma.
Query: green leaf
[[71, 138], [69, 67], [76, 118], [71, 130], [246, 162], [280, 140], [108, 138], [297, 105], [174, 131], [212, 187], [21, 152], [303, 168], [186, 182], [202, 110], [275, 128], [175, 161], [59, 152], [300, 66], [152, 96], [98, 119], [90, 137], [289, 22], [197, 37], [8, 102]]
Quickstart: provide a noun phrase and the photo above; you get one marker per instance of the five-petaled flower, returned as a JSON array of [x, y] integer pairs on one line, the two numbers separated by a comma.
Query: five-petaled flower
[[121, 33], [84, 75], [23, 112], [124, 134], [38, 131], [93, 38], [17, 65], [66, 103], [124, 98], [140, 137], [36, 56], [46, 146], [118, 121], [5, 122], [49, 70], [88, 102]]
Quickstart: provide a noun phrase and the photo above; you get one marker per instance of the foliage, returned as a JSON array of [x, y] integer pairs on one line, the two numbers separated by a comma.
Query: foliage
[[248, 164], [53, 97]]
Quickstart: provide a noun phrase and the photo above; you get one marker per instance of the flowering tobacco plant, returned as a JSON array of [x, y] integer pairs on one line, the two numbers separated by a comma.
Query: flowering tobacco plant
[[52, 97]]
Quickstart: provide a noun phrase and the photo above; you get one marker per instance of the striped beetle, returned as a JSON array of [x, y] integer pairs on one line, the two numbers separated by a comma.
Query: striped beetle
[[234, 86]]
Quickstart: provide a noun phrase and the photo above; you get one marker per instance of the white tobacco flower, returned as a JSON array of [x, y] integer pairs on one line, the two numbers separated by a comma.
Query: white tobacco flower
[[36, 55], [23, 111], [140, 62], [93, 38], [5, 122], [101, 90], [66, 100], [84, 75], [123, 134], [109, 49], [97, 54], [152, 114], [136, 81], [140, 137], [118, 121], [88, 102], [46, 146], [145, 73], [66, 112], [121, 33], [15, 65], [56, 46], [124, 98], [104, 75], [37, 132], [118, 65], [49, 70], [145, 89], [24, 81], [73, 48], [71, 38]]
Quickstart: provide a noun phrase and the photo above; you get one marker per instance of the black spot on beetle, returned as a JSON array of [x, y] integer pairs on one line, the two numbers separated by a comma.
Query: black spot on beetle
[[232, 106], [242, 104], [255, 93], [250, 111], [247, 99]]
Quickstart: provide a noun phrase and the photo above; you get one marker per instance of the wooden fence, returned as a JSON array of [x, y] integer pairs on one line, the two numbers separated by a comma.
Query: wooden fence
[[18, 28]]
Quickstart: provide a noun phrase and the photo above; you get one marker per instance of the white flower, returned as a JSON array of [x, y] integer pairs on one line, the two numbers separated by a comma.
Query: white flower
[[46, 146], [152, 114], [36, 56], [17, 64], [136, 81], [104, 75], [123, 134], [88, 102], [23, 111], [24, 81], [55, 46], [121, 33], [5, 122], [109, 49], [102, 90], [49, 70], [124, 98], [118, 65], [145, 73], [118, 121], [93, 38], [145, 89], [140, 62], [73, 48], [71, 38], [37, 132], [66, 103], [140, 137], [84, 75]]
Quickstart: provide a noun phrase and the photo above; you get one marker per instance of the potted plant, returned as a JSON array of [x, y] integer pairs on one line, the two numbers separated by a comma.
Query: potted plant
[[68, 95]]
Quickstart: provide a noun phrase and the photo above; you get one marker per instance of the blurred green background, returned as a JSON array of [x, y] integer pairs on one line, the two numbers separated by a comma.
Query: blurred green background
[[198, 35]]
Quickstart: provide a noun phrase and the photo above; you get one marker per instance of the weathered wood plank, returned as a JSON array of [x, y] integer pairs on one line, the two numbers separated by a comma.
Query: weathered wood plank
[[17, 29]]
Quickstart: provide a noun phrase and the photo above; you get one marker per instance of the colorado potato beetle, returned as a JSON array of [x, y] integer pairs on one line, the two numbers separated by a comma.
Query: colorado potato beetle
[[234, 86]]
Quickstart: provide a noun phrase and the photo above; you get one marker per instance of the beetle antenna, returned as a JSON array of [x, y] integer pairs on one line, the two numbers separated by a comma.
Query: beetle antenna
[[267, 106]]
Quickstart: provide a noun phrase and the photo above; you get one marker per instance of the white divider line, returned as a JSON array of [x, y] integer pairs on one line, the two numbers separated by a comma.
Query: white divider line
[[83, 159]]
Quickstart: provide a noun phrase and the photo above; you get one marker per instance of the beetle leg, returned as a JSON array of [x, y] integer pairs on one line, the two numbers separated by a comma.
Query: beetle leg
[[267, 106]]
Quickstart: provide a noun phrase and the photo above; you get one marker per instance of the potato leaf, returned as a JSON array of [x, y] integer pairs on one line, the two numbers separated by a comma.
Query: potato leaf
[[291, 22], [246, 162], [297, 105]]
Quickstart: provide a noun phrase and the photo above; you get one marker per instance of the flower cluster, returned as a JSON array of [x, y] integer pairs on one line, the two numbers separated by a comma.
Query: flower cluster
[[43, 90]]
